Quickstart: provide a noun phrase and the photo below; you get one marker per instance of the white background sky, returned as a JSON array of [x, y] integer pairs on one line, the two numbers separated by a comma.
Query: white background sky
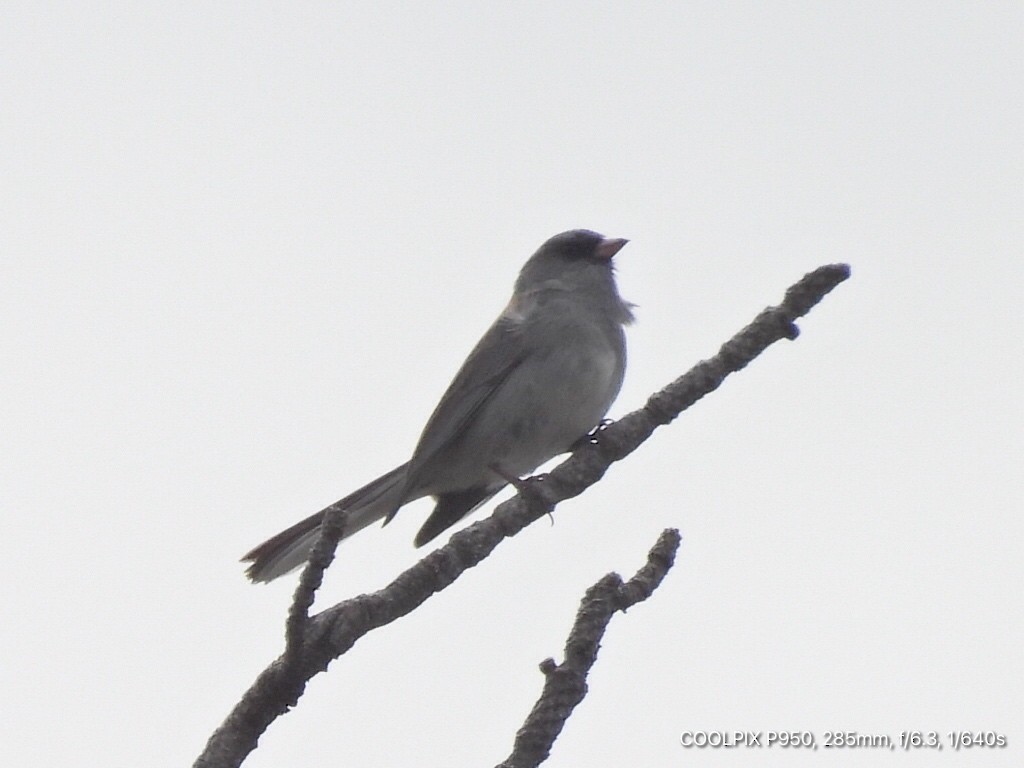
[[245, 246]]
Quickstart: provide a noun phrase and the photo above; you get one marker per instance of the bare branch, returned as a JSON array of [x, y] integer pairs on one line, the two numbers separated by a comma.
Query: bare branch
[[318, 640], [320, 557], [565, 684]]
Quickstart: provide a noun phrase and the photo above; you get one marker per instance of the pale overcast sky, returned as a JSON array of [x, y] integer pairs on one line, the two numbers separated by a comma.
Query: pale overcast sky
[[245, 246]]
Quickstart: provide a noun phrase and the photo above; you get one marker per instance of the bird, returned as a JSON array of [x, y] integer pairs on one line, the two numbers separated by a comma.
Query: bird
[[540, 379]]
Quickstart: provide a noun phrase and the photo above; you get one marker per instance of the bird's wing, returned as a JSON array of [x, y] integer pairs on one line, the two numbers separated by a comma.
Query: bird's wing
[[488, 366]]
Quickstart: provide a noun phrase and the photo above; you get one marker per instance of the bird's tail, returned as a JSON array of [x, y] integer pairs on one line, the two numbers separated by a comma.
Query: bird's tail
[[291, 547]]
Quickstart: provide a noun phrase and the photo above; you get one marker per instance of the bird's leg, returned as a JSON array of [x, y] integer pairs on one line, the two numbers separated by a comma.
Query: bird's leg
[[516, 482], [526, 487]]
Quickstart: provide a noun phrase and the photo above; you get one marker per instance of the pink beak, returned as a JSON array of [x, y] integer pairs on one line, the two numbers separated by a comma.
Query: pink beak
[[610, 246]]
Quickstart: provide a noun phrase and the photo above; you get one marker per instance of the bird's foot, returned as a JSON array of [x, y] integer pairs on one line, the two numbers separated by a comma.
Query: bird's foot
[[592, 437], [516, 482], [527, 488]]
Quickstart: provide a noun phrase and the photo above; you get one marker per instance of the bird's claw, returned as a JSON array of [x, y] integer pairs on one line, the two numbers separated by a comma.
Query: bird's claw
[[524, 486], [592, 437]]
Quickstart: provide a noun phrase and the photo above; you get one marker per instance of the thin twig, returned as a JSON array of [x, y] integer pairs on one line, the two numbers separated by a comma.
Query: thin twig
[[565, 684]]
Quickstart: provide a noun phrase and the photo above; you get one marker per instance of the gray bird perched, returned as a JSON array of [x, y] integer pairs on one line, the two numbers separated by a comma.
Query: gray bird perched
[[542, 377]]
